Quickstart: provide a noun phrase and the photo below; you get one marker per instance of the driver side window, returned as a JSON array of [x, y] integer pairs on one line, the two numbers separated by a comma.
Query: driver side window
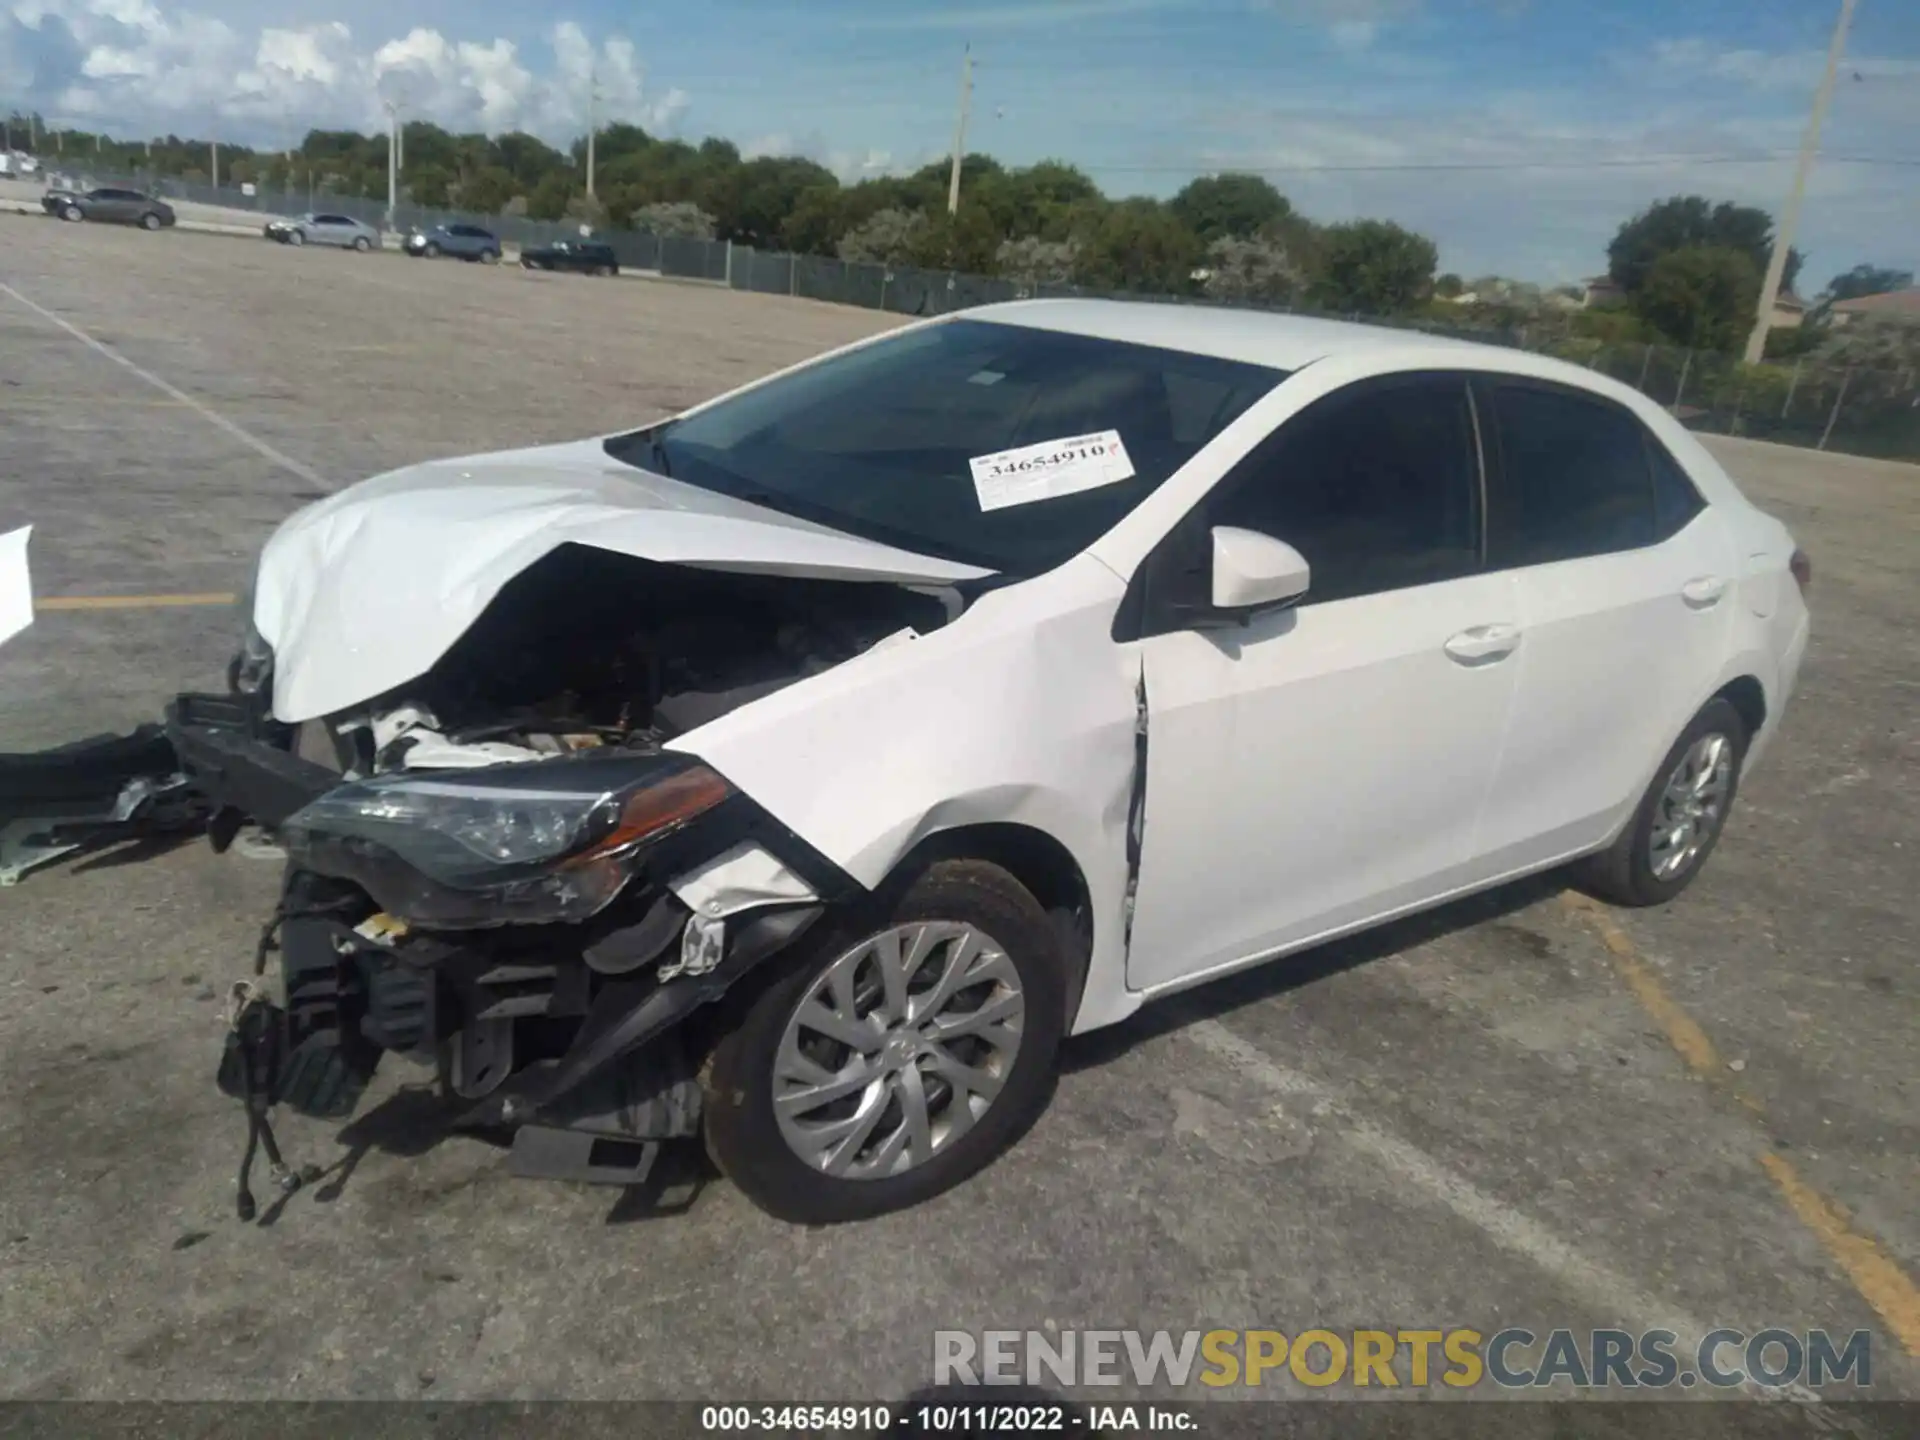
[[1377, 485]]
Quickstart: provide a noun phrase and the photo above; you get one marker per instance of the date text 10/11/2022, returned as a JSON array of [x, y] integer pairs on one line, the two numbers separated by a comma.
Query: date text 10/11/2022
[[929, 1419]]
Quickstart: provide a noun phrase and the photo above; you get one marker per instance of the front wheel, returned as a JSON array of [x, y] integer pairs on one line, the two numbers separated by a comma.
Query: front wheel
[[489, 257], [73, 213], [296, 237], [149, 221], [1680, 818], [362, 244], [900, 1052], [432, 252]]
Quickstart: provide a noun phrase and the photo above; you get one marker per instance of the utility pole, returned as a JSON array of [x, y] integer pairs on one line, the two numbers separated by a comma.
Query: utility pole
[[1790, 216], [214, 147], [960, 130], [393, 161], [593, 120]]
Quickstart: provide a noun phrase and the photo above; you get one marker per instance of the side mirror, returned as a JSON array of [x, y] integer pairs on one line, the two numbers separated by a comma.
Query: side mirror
[[1252, 571]]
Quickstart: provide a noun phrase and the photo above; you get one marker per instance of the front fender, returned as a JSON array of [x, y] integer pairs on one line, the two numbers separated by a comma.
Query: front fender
[[1021, 711]]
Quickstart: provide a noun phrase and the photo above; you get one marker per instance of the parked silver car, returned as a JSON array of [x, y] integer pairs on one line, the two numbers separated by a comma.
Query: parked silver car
[[342, 231]]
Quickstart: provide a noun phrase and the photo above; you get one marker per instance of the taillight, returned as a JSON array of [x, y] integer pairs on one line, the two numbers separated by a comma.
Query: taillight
[[1802, 569]]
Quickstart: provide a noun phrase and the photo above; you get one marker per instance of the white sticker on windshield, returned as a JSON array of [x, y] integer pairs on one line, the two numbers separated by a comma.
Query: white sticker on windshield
[[1050, 469]]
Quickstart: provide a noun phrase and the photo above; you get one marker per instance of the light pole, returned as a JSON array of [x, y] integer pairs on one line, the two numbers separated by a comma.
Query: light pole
[[593, 120], [960, 130], [393, 160], [1790, 216]]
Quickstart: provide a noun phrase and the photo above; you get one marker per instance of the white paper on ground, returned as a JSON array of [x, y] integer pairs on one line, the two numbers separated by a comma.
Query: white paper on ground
[[1050, 469], [16, 583]]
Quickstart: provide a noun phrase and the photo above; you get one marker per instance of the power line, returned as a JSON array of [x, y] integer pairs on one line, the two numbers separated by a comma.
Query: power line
[[1419, 166]]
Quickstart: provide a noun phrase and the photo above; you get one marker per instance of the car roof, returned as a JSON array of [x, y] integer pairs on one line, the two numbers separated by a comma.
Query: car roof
[[1261, 337]]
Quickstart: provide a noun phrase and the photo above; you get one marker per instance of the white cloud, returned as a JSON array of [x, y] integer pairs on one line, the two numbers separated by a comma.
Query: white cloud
[[132, 66], [848, 166]]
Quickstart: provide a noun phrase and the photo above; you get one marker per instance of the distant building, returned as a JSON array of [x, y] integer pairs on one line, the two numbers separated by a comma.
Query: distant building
[[1601, 292], [1896, 305], [1789, 312]]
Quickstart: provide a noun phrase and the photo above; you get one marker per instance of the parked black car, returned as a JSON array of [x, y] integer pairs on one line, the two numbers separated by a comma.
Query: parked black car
[[121, 207], [590, 257]]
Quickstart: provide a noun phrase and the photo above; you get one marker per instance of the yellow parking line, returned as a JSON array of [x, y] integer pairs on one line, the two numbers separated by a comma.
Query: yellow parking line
[[1877, 1278], [131, 602]]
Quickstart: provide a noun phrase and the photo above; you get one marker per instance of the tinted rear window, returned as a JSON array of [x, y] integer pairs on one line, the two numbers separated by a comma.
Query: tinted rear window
[[877, 441], [1574, 478]]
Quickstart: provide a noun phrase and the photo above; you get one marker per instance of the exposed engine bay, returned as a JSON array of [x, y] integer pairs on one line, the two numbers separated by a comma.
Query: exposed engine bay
[[591, 649]]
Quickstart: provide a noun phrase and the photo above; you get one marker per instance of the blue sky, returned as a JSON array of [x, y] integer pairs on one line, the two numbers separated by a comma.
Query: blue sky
[[1518, 133]]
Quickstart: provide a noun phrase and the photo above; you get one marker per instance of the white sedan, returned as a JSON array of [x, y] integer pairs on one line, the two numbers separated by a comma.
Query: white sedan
[[798, 771]]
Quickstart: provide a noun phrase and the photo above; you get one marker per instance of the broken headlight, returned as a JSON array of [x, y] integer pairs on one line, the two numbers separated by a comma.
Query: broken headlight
[[535, 843], [252, 664]]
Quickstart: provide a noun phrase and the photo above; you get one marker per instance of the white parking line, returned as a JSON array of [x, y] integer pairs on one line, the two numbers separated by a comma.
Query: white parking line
[[212, 417], [1607, 1290]]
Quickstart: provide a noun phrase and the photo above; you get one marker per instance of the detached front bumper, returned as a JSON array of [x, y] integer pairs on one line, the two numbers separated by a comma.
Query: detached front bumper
[[226, 747], [212, 765]]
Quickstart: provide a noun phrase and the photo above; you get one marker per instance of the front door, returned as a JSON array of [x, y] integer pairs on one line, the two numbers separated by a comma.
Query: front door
[[1326, 764]]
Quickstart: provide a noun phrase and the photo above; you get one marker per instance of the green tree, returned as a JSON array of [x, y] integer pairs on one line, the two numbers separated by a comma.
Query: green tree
[[549, 198], [1702, 295], [1044, 200], [816, 222], [1449, 286], [1236, 206], [1138, 244], [752, 201], [1868, 280], [1374, 267], [488, 192], [1689, 221]]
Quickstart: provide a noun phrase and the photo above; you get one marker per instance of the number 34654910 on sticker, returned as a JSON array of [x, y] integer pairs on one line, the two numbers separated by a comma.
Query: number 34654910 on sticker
[[1049, 469]]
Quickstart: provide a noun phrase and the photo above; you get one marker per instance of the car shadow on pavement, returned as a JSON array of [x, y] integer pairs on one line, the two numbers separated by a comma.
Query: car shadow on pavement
[[1265, 981]]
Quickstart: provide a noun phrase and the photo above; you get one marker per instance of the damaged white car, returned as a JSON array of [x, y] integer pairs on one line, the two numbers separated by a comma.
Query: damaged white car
[[797, 772]]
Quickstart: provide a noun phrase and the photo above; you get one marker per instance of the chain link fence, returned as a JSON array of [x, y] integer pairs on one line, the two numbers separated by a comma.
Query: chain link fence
[[1859, 409]]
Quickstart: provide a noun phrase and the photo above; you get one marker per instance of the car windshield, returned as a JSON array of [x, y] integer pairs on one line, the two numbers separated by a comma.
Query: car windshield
[[881, 441]]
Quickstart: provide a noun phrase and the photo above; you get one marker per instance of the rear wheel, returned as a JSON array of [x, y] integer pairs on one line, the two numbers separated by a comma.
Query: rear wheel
[[897, 1055], [1680, 818]]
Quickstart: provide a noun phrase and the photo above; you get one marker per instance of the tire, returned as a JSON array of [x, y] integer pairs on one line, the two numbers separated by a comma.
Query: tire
[[73, 213], [750, 1143], [362, 244], [432, 251], [149, 221], [296, 237], [489, 257], [1628, 872]]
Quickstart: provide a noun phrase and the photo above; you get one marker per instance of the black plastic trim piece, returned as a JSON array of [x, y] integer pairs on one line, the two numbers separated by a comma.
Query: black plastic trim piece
[[213, 737]]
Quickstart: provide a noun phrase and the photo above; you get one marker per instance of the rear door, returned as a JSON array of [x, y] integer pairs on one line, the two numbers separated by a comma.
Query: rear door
[[1625, 580], [1323, 765]]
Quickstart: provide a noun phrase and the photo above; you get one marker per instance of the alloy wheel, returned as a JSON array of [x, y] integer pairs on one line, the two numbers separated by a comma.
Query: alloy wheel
[[897, 1050], [1691, 807]]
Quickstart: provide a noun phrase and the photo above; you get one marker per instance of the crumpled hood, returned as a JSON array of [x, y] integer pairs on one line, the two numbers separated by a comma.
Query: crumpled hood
[[365, 590]]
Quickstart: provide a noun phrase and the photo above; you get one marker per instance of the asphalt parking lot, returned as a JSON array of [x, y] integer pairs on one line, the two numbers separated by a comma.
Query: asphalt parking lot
[[1522, 1110]]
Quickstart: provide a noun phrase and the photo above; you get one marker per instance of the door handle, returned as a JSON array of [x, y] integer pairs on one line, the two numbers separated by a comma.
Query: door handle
[[1484, 642], [1703, 591]]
